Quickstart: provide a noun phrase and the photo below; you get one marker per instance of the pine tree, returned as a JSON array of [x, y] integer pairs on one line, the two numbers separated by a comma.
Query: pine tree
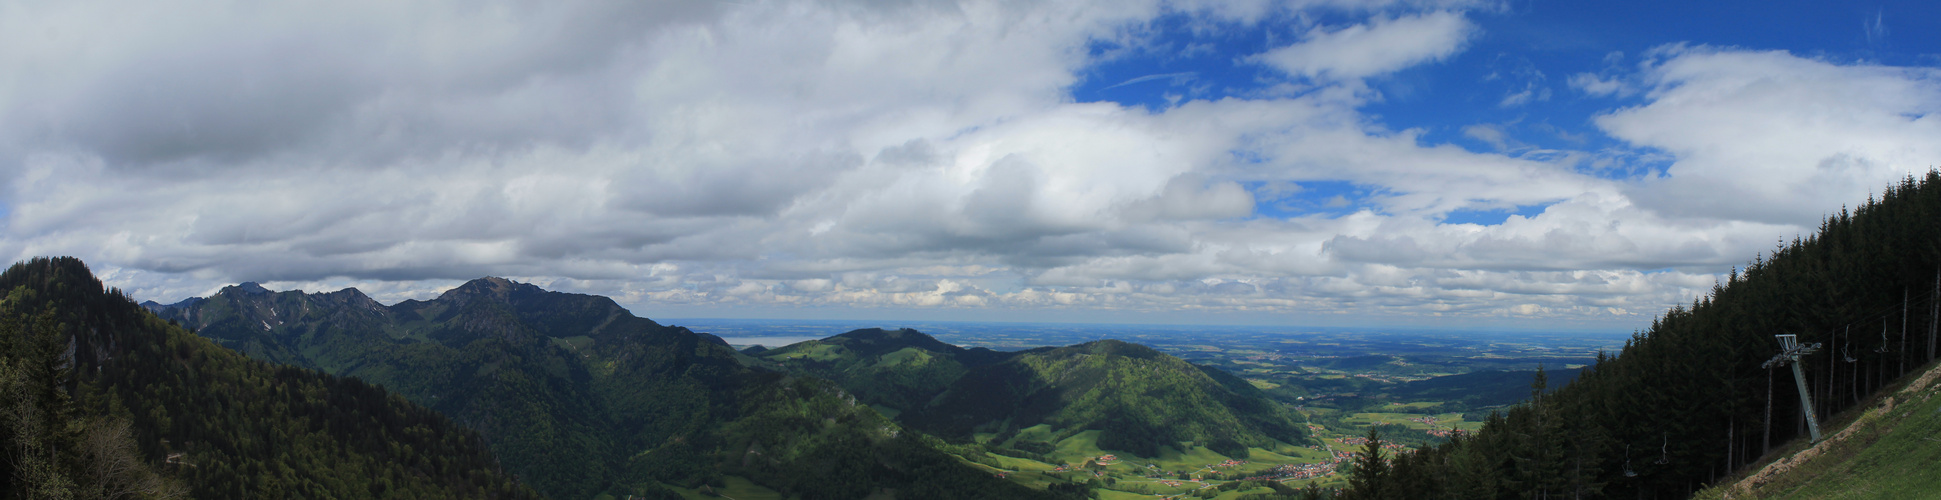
[[1370, 478]]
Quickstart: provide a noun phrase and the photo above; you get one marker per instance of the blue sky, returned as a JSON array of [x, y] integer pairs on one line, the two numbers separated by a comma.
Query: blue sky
[[1476, 164], [1514, 75]]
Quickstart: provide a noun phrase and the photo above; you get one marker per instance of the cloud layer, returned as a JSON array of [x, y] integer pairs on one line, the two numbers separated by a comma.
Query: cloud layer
[[921, 154]]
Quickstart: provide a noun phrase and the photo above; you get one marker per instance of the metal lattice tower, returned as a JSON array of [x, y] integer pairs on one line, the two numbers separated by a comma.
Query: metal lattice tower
[[1790, 352]]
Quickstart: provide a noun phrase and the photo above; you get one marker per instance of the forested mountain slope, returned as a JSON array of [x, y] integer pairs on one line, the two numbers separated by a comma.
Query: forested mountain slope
[[901, 370], [104, 399], [1687, 401], [580, 397], [1140, 399]]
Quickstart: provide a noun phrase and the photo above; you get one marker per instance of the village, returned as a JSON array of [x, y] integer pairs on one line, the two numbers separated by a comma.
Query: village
[[1171, 480], [1200, 473]]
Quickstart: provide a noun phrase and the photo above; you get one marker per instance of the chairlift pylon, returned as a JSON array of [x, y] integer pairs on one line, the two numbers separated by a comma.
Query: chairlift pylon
[[1791, 351], [1627, 462]]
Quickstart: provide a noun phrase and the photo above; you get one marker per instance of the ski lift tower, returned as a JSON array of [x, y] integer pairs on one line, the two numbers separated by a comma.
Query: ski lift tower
[[1791, 351]]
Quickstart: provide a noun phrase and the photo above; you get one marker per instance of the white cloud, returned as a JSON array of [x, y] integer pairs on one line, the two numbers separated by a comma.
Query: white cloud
[[1876, 28], [1381, 46], [1774, 137], [851, 154], [1525, 96], [1492, 134], [1600, 86]]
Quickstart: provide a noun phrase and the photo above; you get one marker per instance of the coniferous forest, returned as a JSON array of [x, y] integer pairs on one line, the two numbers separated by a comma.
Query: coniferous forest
[[1692, 398], [104, 400]]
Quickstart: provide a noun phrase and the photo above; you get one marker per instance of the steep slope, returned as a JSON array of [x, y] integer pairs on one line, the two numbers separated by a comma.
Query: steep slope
[[244, 317], [580, 397], [1695, 393], [1887, 451], [228, 426], [530, 399]]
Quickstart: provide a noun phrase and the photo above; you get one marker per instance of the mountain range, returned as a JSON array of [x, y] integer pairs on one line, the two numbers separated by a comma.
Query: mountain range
[[104, 400], [578, 397]]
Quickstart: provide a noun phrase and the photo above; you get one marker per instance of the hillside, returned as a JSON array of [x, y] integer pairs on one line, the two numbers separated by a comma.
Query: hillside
[[1695, 387], [1140, 400], [1886, 451], [897, 370], [1137, 398], [108, 401], [582, 398]]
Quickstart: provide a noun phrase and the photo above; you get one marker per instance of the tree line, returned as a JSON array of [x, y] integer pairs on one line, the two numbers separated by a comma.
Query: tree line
[[1693, 397]]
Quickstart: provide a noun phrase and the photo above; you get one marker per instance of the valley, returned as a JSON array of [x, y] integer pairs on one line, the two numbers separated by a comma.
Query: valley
[[1415, 387], [578, 398]]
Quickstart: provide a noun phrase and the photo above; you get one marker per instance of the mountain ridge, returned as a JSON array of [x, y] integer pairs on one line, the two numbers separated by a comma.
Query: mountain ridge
[[227, 426], [626, 405]]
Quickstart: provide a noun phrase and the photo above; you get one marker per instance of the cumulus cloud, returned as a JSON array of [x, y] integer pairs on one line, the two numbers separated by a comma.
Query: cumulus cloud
[[886, 154], [1772, 137], [1600, 86], [1381, 46]]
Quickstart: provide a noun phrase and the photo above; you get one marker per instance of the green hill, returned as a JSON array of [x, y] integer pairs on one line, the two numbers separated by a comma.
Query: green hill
[[1140, 400], [108, 401], [898, 370], [1137, 398], [580, 397]]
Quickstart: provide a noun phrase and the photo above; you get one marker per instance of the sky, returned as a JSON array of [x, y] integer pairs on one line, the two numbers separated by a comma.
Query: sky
[[1562, 165]]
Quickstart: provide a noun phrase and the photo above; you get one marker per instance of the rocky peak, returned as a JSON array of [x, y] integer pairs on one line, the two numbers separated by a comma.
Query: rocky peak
[[352, 297], [249, 287], [489, 288]]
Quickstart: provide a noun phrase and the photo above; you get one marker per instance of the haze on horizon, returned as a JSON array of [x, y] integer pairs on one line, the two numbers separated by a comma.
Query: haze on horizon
[[1450, 163]]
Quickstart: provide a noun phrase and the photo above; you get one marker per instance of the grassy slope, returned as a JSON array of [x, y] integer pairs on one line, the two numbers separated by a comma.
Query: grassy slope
[[1887, 451]]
